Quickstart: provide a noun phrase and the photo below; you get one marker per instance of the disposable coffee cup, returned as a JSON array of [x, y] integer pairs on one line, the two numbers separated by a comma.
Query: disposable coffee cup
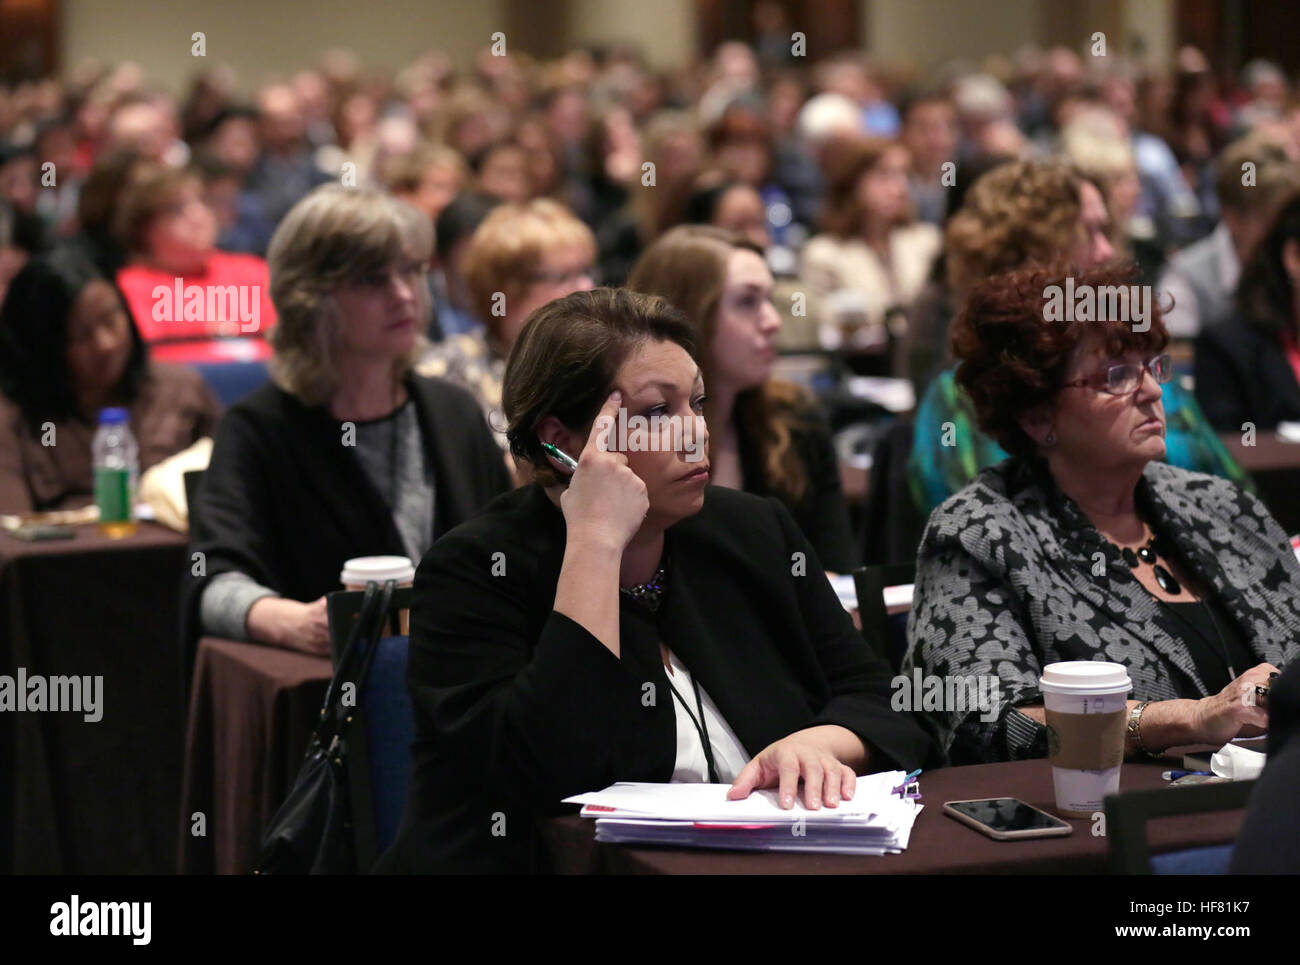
[[1087, 714], [365, 569]]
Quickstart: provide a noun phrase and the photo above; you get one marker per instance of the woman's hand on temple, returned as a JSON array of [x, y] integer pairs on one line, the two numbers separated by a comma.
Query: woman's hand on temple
[[1233, 711], [605, 501], [815, 756]]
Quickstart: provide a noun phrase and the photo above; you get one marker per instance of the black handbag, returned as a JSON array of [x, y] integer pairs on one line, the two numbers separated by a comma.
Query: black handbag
[[311, 832]]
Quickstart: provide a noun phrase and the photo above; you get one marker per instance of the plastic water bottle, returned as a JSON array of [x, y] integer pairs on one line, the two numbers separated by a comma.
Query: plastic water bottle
[[117, 468]]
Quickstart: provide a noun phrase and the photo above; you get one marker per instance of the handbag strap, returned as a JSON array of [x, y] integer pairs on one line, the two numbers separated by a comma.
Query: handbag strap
[[375, 632], [330, 716]]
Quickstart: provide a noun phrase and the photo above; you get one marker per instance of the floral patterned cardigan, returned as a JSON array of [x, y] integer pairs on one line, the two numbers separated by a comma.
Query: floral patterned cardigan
[[1005, 584]]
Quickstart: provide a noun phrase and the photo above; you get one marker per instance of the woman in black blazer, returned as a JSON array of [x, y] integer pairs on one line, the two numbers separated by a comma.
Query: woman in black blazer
[[347, 453], [1248, 368], [769, 436], [543, 631]]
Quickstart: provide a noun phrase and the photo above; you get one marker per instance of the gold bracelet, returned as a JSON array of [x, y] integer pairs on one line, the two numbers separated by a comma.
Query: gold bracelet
[[1135, 728]]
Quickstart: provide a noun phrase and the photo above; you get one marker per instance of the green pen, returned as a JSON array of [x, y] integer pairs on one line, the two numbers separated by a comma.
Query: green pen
[[561, 456]]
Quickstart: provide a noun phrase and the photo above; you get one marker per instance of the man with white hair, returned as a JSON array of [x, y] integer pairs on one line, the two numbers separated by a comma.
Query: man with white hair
[[1266, 83]]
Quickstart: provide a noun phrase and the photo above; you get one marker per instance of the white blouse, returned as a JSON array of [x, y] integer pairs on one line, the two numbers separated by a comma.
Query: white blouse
[[729, 756]]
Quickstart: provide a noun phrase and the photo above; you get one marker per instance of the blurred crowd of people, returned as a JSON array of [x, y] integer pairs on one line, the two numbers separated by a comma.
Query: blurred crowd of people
[[542, 177], [780, 151], [379, 240]]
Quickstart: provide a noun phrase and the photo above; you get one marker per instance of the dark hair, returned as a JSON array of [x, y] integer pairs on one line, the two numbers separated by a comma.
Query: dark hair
[[842, 212], [919, 97], [102, 191], [97, 205], [965, 175], [145, 197], [18, 229], [702, 204], [211, 168], [564, 361], [1265, 293], [13, 151], [34, 337], [1013, 359], [460, 219], [230, 113]]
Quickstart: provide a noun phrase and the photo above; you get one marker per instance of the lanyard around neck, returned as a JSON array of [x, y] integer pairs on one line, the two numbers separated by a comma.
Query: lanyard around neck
[[701, 726]]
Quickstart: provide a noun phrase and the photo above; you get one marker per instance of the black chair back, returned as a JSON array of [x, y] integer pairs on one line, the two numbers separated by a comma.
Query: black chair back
[[192, 478], [382, 725], [1127, 815], [342, 607], [892, 523], [878, 625]]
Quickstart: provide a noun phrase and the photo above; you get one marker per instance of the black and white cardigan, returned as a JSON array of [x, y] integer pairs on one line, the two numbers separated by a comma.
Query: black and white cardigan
[[1011, 576]]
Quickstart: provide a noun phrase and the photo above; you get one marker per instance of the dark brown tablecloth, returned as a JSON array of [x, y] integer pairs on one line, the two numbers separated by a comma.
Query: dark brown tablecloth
[[252, 714], [92, 798], [1275, 466], [939, 844]]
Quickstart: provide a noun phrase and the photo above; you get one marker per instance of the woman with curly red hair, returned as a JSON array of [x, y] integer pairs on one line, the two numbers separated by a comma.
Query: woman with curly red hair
[[1084, 545]]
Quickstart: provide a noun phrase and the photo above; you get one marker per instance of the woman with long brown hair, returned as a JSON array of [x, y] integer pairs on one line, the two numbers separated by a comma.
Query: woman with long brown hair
[[768, 436], [870, 245]]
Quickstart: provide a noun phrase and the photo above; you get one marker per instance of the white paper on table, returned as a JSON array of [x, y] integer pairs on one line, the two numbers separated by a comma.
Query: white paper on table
[[708, 802], [841, 838]]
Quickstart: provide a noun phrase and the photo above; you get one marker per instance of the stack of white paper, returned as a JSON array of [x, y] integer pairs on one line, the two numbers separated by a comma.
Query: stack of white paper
[[876, 821]]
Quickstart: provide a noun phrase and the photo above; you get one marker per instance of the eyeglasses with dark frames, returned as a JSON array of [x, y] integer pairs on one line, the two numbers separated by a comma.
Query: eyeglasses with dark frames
[[1124, 378]]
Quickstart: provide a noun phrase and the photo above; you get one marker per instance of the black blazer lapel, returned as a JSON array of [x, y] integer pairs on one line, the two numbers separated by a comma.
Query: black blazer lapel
[[711, 643], [454, 497], [639, 652]]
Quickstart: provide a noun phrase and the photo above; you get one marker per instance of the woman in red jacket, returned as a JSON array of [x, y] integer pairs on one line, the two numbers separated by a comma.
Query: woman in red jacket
[[190, 301]]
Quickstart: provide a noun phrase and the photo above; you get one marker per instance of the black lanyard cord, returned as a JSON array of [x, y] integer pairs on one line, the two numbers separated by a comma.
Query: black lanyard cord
[[701, 726]]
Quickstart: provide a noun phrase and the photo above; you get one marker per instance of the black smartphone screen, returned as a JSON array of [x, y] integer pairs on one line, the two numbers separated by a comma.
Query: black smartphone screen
[[1006, 814]]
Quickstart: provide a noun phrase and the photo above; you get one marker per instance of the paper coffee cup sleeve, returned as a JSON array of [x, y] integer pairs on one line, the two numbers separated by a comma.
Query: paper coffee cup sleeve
[[1237, 763]]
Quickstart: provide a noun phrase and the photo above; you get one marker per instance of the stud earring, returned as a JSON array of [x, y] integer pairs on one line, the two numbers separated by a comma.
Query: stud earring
[[1050, 440]]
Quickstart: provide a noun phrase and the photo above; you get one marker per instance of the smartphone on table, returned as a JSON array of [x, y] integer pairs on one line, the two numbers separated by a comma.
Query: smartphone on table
[[1007, 819]]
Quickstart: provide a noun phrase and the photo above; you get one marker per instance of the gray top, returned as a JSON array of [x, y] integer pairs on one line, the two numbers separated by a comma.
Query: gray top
[[393, 458], [391, 455]]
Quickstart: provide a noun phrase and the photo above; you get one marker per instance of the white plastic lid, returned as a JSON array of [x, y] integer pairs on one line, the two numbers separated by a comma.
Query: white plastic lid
[[363, 569], [1085, 678]]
